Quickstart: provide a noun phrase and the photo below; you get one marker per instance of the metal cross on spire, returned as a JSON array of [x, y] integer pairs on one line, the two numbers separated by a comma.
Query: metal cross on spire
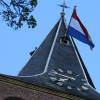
[[63, 6]]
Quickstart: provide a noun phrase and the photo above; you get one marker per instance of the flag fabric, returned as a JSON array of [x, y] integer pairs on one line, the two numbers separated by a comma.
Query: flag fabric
[[77, 30]]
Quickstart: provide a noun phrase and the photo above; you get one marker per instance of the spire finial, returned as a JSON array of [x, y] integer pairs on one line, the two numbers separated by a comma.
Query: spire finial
[[63, 6]]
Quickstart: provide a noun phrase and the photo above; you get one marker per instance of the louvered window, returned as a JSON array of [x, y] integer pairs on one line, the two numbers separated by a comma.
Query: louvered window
[[64, 40]]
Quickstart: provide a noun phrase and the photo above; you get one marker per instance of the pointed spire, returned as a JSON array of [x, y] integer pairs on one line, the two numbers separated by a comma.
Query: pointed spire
[[57, 64]]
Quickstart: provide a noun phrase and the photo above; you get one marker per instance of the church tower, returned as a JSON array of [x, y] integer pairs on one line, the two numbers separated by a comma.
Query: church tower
[[54, 72]]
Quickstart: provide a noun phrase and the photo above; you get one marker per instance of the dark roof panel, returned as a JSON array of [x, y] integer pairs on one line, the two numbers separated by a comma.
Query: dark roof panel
[[38, 60]]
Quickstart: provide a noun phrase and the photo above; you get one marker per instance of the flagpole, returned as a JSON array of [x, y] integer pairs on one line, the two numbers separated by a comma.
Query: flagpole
[[71, 18], [76, 50]]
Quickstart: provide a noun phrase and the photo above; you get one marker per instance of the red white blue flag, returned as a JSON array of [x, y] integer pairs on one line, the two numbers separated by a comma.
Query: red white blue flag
[[77, 30]]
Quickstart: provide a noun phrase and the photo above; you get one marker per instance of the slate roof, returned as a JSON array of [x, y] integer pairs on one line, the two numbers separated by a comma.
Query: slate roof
[[58, 65]]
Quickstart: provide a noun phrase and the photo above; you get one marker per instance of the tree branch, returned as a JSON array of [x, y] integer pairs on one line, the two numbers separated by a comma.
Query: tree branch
[[18, 12], [5, 3]]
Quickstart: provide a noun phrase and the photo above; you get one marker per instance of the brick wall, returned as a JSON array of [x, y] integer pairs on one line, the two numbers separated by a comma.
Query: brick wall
[[9, 90]]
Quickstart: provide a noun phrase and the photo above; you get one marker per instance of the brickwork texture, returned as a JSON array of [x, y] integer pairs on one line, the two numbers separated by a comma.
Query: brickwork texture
[[9, 90]]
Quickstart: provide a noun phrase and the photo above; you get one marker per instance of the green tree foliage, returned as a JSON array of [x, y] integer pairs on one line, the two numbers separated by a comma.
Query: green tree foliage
[[17, 12]]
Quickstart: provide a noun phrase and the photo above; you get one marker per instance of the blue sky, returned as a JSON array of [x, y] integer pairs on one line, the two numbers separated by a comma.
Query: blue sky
[[15, 46]]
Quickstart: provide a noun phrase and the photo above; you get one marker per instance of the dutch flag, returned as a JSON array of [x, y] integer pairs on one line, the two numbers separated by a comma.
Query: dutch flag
[[77, 30]]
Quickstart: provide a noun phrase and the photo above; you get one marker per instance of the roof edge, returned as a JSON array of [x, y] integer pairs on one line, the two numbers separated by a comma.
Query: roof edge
[[17, 82]]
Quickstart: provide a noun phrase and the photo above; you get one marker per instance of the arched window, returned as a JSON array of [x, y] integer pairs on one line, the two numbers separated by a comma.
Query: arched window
[[13, 98]]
